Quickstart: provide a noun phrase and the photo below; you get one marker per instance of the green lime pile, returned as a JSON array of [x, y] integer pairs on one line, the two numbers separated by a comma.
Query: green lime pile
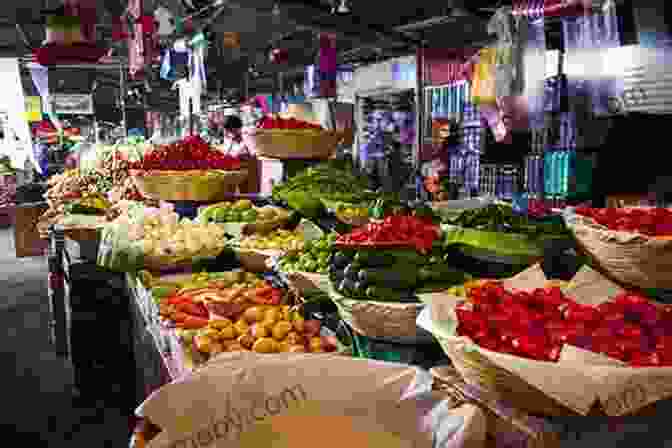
[[313, 258]]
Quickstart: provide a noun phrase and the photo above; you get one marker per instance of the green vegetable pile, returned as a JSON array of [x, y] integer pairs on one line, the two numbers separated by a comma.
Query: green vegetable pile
[[313, 258], [501, 218], [395, 275], [331, 181]]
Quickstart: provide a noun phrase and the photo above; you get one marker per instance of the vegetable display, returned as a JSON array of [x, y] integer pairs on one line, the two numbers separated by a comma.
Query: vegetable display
[[276, 240], [239, 211], [391, 275], [160, 232], [330, 180], [537, 324], [501, 218], [313, 258], [652, 222], [237, 311], [191, 153], [395, 230]]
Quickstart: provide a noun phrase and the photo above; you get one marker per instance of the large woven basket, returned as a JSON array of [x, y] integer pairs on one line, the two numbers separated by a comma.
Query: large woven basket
[[383, 320], [627, 258], [290, 144], [479, 371], [191, 185]]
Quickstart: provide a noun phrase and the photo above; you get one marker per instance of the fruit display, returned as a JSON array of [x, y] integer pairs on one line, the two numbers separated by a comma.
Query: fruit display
[[537, 324], [314, 257], [393, 275], [289, 124], [240, 211], [191, 153], [159, 232], [656, 222], [280, 239], [394, 230]]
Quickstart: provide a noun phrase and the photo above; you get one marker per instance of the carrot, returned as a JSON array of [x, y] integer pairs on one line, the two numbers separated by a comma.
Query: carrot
[[193, 323], [179, 316], [264, 291]]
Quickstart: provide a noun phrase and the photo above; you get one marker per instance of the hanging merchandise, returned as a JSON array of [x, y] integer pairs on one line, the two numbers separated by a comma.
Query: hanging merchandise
[[509, 71], [327, 65], [136, 58], [483, 83], [167, 71]]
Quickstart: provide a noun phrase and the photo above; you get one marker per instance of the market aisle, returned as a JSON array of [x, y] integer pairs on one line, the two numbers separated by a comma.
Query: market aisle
[[35, 384]]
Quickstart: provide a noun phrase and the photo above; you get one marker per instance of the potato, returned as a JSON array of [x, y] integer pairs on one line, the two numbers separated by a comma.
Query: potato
[[246, 341], [298, 324], [273, 314], [281, 330], [295, 338], [285, 313], [202, 343], [220, 323], [297, 349], [264, 345], [254, 314], [268, 324], [259, 331], [228, 333], [241, 327]]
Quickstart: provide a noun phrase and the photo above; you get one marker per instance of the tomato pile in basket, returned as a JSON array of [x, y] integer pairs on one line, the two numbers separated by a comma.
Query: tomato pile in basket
[[286, 124], [399, 230], [652, 222], [537, 324], [191, 153]]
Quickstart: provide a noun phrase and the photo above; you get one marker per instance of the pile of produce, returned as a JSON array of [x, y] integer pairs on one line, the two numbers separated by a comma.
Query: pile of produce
[[331, 181], [238, 211], [289, 124], [191, 153], [394, 275], [160, 232], [537, 324], [395, 230], [234, 311], [501, 218], [314, 257], [280, 239], [654, 222]]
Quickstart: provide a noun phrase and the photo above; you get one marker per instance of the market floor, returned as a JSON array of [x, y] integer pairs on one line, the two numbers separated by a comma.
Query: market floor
[[40, 404]]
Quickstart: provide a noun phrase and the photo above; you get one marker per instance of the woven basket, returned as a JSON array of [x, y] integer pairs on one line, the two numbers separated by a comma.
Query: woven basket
[[627, 258], [152, 263], [382, 320], [306, 281], [479, 371], [290, 144], [192, 185], [256, 260]]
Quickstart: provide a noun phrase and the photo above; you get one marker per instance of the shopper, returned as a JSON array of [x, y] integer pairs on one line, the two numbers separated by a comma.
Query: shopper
[[233, 137]]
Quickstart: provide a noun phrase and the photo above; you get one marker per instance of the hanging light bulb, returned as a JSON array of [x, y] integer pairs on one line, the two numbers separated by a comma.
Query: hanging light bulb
[[276, 10]]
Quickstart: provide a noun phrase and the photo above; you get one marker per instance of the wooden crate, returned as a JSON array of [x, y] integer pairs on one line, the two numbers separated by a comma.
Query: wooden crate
[[27, 241]]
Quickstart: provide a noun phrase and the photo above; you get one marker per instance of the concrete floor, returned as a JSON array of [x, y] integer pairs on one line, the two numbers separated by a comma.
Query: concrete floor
[[40, 404]]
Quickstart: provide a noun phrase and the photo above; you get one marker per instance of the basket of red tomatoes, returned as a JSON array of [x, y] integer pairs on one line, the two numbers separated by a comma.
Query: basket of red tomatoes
[[631, 245], [189, 170], [281, 138]]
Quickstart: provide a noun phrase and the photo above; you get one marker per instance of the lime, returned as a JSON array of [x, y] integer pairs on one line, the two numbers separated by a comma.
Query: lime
[[220, 215], [249, 215]]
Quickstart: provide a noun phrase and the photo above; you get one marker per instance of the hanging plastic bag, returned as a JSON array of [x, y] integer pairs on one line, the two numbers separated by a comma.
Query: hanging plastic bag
[[483, 85]]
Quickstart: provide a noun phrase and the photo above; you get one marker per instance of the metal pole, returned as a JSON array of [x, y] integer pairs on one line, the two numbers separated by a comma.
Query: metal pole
[[122, 99], [420, 117]]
